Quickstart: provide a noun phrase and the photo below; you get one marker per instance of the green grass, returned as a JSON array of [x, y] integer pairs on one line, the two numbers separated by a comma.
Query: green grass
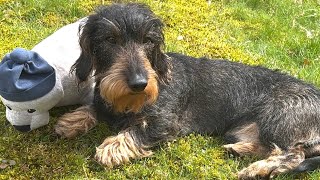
[[277, 34]]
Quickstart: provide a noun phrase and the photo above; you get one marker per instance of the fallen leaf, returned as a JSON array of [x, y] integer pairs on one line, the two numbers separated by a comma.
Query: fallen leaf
[[306, 62], [3, 166]]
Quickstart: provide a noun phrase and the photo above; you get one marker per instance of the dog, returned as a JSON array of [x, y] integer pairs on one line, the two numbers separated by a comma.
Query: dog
[[152, 97]]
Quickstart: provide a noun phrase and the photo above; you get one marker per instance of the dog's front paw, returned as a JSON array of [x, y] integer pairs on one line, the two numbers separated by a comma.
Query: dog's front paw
[[80, 121], [119, 149]]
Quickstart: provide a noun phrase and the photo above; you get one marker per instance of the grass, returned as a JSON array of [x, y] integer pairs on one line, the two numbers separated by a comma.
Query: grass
[[277, 34]]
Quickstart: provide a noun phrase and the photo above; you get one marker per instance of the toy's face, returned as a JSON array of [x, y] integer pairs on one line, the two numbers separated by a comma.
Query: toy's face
[[26, 116], [25, 120]]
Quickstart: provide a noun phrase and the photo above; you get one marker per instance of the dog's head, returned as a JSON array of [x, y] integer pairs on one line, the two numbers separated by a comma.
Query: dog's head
[[123, 44]]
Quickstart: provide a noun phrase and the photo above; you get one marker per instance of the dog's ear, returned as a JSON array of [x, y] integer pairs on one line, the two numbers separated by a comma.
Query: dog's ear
[[160, 61], [162, 65], [83, 67]]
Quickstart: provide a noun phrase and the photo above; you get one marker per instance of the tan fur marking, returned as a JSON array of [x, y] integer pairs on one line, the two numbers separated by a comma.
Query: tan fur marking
[[249, 143], [114, 89], [119, 149], [279, 162], [247, 148], [247, 133], [79, 121]]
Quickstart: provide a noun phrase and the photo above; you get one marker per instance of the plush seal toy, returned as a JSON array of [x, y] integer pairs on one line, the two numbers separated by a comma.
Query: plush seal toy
[[33, 82]]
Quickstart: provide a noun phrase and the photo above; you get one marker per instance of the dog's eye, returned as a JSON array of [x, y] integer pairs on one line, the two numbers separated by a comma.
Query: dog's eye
[[31, 110], [111, 40], [9, 108]]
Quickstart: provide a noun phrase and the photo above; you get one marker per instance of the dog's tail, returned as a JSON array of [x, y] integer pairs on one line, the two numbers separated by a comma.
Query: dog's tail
[[309, 164]]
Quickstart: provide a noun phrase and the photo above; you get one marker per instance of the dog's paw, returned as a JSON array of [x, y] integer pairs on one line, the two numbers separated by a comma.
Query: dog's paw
[[118, 150], [278, 162], [258, 170], [71, 124], [262, 171]]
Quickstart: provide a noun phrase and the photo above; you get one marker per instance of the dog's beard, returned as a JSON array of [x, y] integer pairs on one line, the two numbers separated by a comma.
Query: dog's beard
[[114, 90]]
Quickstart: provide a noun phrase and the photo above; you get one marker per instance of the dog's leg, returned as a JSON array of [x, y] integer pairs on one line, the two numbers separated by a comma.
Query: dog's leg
[[120, 149], [244, 140], [277, 163], [312, 153], [79, 121], [134, 142], [246, 148]]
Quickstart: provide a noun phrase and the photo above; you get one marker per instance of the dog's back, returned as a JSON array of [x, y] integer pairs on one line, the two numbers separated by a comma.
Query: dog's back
[[220, 95], [257, 110]]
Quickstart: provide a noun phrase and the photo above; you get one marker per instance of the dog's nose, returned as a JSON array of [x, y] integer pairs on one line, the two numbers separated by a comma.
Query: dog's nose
[[24, 128], [138, 83]]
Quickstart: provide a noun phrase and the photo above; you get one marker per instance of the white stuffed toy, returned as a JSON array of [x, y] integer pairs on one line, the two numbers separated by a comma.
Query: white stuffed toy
[[33, 82]]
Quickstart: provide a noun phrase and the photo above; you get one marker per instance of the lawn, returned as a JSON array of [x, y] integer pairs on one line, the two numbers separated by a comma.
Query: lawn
[[279, 34]]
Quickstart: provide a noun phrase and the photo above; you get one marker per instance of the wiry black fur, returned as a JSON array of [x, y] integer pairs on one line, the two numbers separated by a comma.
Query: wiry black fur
[[204, 96]]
